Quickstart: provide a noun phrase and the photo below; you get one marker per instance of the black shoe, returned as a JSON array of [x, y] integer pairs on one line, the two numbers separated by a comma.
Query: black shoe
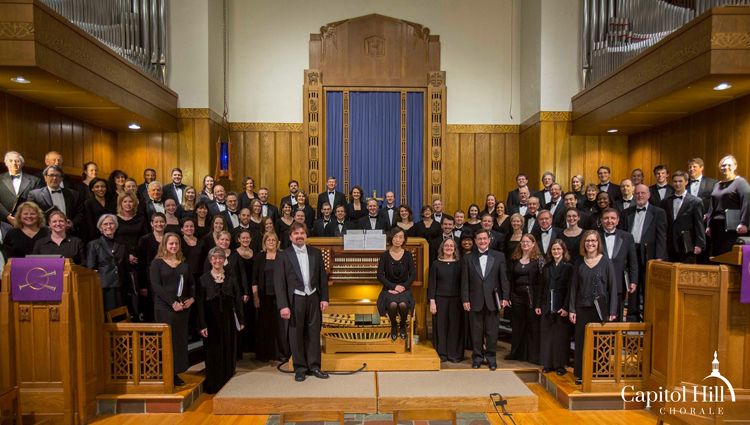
[[178, 382], [545, 370], [561, 372], [319, 374], [403, 334], [579, 381], [493, 366], [394, 332], [475, 365], [284, 359], [443, 359], [299, 376]]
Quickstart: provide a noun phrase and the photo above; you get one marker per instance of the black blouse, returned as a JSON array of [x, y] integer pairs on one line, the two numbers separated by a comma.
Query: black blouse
[[70, 247], [227, 291], [22, 245], [731, 195], [165, 282], [263, 273], [353, 214], [129, 231], [591, 282], [445, 279], [195, 256], [92, 210]]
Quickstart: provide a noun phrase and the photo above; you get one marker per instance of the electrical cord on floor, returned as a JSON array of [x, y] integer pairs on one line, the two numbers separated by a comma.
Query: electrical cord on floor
[[500, 402], [348, 372]]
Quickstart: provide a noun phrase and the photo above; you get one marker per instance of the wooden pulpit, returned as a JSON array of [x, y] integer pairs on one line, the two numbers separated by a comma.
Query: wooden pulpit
[[51, 351]]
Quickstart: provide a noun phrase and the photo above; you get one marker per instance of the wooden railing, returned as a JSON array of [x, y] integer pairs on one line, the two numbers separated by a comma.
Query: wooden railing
[[138, 358], [615, 355]]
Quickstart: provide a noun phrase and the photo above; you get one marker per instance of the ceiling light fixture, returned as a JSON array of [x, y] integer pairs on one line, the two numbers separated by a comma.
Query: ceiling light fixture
[[722, 86], [612, 130], [20, 80], [134, 127]]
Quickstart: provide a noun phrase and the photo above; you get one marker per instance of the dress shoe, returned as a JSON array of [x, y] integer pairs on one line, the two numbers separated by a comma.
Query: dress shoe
[[443, 359], [493, 366], [394, 333], [579, 381], [319, 374], [475, 365], [561, 372], [299, 376], [178, 382], [403, 334], [545, 370]]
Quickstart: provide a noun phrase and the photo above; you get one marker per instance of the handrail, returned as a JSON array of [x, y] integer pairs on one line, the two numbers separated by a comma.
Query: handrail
[[138, 358], [615, 355]]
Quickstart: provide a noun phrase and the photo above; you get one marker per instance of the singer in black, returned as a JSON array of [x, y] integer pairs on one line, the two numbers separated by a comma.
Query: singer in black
[[731, 194], [593, 293], [219, 301], [174, 291], [524, 278], [444, 294], [396, 271], [552, 305]]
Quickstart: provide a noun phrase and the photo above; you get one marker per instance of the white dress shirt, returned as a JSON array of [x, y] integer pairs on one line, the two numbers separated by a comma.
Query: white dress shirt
[[158, 206], [522, 209], [390, 213], [638, 223], [483, 262], [235, 219], [373, 221], [331, 198], [264, 210], [547, 197], [294, 198], [546, 239], [662, 190], [627, 203], [553, 207], [178, 191], [677, 204], [609, 241], [222, 206], [16, 181], [695, 186], [304, 265], [58, 199]]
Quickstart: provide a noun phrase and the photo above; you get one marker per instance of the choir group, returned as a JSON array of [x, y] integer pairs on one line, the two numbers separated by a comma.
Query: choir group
[[553, 260]]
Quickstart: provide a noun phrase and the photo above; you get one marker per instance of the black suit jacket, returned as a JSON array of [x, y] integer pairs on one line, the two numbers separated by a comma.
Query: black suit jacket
[[8, 199], [535, 227], [5, 249], [142, 192], [146, 209], [332, 230], [288, 198], [381, 223], [704, 191], [73, 208], [478, 289], [623, 258], [559, 214], [319, 226], [287, 276], [654, 233], [556, 233], [169, 192], [66, 181], [689, 219], [654, 199], [338, 199], [273, 212], [213, 208], [497, 241], [515, 209], [114, 267], [384, 213], [513, 198], [225, 213], [620, 204], [614, 191]]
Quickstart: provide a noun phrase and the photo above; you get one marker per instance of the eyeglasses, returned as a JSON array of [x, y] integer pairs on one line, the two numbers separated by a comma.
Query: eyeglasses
[[54, 176], [526, 242], [591, 242]]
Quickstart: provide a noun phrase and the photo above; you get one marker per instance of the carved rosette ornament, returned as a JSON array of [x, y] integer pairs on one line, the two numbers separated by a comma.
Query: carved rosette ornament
[[437, 96], [313, 78], [313, 92], [24, 313], [54, 314]]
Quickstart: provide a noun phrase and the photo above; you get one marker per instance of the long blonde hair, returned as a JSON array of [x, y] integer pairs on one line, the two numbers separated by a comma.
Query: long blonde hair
[[162, 251]]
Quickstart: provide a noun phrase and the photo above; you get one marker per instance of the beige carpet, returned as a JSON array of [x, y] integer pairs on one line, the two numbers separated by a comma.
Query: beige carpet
[[280, 385], [473, 383]]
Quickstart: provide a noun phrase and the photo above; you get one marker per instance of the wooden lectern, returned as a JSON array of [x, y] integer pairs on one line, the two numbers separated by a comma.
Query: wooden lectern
[[696, 311], [51, 352]]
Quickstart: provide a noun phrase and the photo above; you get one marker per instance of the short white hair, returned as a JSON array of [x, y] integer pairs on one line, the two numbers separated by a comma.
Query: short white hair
[[104, 217], [153, 183], [23, 161]]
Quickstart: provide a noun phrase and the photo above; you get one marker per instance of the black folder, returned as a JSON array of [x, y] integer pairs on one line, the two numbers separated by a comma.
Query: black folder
[[686, 238], [733, 219]]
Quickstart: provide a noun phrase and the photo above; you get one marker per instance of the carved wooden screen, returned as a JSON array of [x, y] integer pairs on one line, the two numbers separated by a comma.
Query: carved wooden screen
[[381, 53]]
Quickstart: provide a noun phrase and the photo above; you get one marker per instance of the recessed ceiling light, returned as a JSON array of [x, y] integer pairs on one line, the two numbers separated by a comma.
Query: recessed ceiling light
[[722, 86], [20, 80], [134, 127], [612, 130]]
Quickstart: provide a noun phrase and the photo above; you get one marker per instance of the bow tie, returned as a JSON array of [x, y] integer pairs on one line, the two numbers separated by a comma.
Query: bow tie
[[552, 203], [17, 176], [331, 193], [679, 197], [389, 208], [373, 218], [603, 184], [448, 236], [484, 253], [56, 191], [694, 181], [606, 235], [232, 212], [544, 232], [326, 221], [220, 203], [302, 250], [156, 202], [640, 209]]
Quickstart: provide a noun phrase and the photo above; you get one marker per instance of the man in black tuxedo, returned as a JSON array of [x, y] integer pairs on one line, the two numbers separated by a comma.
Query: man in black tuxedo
[[219, 204], [607, 186], [636, 177], [661, 190], [513, 196], [292, 197], [15, 186], [372, 221], [389, 211], [301, 285], [153, 203], [545, 233], [459, 218], [531, 223], [338, 227], [266, 209], [53, 197], [176, 189], [619, 247], [570, 201], [699, 185], [149, 175], [556, 205], [648, 225], [686, 234], [447, 225], [55, 158], [232, 211], [544, 195], [497, 239], [627, 200], [437, 207], [244, 223], [483, 279], [319, 226], [332, 196], [521, 207]]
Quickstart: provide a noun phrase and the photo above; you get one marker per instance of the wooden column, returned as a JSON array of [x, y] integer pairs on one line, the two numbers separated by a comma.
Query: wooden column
[[436, 91], [312, 95]]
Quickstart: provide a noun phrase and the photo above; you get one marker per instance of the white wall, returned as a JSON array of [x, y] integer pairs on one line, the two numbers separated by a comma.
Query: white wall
[[560, 53], [216, 55], [188, 52], [531, 58], [268, 51]]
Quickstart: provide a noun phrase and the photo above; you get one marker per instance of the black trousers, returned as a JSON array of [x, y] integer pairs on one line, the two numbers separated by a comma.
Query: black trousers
[[634, 298], [448, 328], [484, 324], [584, 316], [524, 339], [554, 341], [677, 257], [721, 240], [273, 331], [304, 332]]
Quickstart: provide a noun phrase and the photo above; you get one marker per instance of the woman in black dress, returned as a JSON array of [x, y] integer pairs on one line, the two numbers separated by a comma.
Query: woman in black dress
[[273, 331], [174, 292], [189, 200], [194, 251], [594, 222], [117, 183], [58, 242], [29, 227], [406, 220], [233, 264], [356, 207], [218, 225], [594, 280], [244, 240], [502, 222], [90, 172], [248, 195], [577, 183], [444, 294], [130, 225], [148, 248], [286, 218], [109, 257], [207, 193], [572, 234], [255, 226], [303, 206], [202, 220], [490, 205], [474, 222], [513, 240], [588, 204], [396, 272], [552, 305], [523, 272], [219, 314], [467, 247], [427, 227], [170, 211], [266, 225], [731, 193], [97, 205]]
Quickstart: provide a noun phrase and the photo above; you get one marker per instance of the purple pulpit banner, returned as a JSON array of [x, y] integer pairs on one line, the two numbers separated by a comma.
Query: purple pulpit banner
[[745, 291], [36, 279]]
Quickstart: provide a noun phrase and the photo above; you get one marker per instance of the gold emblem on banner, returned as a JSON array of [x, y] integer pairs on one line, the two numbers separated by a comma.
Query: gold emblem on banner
[[38, 279]]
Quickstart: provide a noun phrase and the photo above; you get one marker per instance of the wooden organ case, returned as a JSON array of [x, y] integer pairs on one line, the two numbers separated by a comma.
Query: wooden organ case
[[348, 324]]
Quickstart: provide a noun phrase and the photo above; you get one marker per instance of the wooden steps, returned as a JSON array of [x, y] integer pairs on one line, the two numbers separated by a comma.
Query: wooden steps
[[177, 402], [564, 389]]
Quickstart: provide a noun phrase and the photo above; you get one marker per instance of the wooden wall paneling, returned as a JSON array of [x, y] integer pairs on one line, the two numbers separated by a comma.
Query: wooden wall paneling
[[563, 165], [87, 150], [592, 161], [482, 169], [451, 174], [497, 166], [253, 159], [268, 167], [512, 162], [55, 133], [186, 151], [546, 152], [467, 171], [282, 160], [529, 155], [299, 158], [203, 148], [4, 123]]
